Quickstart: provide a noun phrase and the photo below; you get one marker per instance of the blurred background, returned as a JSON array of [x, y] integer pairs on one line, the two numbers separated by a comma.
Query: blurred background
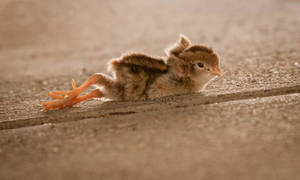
[[89, 33], [63, 24]]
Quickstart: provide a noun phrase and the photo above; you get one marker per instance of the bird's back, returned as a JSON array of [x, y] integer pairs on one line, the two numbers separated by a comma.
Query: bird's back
[[136, 72]]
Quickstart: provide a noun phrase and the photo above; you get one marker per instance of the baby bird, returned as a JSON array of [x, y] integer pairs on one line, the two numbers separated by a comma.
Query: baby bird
[[187, 68]]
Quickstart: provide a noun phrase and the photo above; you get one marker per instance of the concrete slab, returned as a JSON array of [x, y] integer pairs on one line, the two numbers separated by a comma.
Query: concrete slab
[[94, 109], [245, 139]]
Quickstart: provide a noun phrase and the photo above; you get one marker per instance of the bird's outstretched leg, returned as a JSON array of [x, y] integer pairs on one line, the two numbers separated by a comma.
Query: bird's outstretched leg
[[71, 97], [57, 94]]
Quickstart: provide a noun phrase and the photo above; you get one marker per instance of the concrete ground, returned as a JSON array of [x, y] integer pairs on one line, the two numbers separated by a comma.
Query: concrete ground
[[243, 126]]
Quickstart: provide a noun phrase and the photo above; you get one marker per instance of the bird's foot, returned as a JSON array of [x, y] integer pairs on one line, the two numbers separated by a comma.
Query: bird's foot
[[69, 99]]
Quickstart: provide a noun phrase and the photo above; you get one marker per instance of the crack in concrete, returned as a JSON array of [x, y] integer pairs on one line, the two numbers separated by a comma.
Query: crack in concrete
[[126, 108]]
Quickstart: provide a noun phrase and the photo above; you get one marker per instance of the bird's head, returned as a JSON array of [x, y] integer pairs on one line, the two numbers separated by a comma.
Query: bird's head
[[198, 61]]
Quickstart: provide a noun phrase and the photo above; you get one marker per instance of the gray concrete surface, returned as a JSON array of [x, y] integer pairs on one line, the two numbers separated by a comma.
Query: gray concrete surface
[[248, 139], [244, 126]]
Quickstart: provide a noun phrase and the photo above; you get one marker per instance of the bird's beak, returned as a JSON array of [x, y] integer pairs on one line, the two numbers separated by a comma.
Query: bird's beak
[[216, 71]]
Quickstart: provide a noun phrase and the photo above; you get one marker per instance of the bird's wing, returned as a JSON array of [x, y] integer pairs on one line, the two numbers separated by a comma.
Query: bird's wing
[[145, 62]]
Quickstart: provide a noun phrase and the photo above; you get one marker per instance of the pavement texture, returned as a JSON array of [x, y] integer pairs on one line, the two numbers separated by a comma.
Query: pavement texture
[[245, 125]]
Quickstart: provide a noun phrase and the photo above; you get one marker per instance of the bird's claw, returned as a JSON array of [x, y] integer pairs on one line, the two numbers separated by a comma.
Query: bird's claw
[[57, 94], [68, 100]]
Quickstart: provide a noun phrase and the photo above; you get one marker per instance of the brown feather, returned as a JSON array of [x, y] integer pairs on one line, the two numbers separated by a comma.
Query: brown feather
[[144, 61], [196, 48]]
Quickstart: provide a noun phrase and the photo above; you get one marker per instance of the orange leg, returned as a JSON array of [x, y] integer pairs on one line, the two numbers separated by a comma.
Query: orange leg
[[71, 97], [58, 104], [94, 94], [56, 94]]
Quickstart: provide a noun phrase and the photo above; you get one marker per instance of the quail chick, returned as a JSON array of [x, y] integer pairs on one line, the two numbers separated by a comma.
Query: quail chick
[[186, 68]]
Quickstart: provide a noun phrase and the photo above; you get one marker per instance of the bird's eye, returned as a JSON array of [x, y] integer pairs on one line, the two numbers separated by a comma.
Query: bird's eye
[[201, 65]]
